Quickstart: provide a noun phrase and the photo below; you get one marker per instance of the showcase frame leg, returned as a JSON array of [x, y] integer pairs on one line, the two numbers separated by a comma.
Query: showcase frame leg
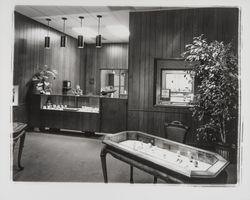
[[131, 174], [104, 164], [155, 179]]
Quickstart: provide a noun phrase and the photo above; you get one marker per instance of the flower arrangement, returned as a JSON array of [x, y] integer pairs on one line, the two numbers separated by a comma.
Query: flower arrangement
[[43, 78]]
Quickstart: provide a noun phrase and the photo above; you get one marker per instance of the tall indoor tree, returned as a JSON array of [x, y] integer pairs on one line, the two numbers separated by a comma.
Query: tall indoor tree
[[216, 98]]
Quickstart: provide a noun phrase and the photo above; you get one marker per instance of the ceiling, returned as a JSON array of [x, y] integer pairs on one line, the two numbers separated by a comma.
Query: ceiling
[[110, 16]]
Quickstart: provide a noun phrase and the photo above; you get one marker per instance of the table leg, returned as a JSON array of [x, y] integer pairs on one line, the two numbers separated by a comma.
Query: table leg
[[104, 164], [20, 151], [131, 174], [155, 179], [13, 146]]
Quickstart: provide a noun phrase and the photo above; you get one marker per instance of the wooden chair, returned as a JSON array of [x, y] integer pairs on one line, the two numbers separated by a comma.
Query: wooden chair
[[176, 131]]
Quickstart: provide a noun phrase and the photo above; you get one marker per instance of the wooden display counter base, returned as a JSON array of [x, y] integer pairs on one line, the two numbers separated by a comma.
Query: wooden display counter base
[[57, 130]]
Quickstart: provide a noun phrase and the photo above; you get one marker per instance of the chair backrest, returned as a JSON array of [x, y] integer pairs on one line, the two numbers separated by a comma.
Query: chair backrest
[[175, 131]]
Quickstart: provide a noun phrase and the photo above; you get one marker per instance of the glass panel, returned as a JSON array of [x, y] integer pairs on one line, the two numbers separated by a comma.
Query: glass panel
[[176, 87], [187, 152], [88, 105], [70, 103], [123, 84], [114, 83]]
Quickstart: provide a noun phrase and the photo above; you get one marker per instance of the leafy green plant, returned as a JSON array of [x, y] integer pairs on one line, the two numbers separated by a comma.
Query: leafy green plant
[[216, 98], [43, 78]]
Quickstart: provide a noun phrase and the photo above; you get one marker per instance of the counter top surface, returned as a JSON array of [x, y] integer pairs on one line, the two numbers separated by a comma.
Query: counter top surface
[[86, 95]]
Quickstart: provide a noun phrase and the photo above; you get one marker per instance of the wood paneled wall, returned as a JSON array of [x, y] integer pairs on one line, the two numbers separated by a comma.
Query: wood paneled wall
[[164, 34], [30, 54], [80, 66], [112, 56]]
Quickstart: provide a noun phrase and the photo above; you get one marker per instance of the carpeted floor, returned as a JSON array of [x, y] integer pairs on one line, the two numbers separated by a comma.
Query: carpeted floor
[[71, 157]]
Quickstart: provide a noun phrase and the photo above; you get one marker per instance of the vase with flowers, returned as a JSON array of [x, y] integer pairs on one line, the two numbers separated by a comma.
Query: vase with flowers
[[42, 80]]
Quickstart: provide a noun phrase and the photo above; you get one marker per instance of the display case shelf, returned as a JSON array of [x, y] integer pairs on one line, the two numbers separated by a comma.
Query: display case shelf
[[83, 103], [84, 110]]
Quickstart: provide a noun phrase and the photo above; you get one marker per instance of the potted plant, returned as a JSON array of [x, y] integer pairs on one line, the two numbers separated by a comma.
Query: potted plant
[[216, 100], [42, 80]]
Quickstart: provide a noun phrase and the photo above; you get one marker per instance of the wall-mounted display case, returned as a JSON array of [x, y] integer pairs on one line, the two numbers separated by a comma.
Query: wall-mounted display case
[[174, 85]]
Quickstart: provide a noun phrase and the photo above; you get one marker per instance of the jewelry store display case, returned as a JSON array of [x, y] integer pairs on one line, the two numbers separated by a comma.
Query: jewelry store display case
[[66, 112], [87, 113], [71, 112], [85, 104], [164, 158]]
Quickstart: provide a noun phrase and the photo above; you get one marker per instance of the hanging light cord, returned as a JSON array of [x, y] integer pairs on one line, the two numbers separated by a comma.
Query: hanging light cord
[[64, 19], [99, 26], [81, 18], [48, 26], [64, 26], [99, 17]]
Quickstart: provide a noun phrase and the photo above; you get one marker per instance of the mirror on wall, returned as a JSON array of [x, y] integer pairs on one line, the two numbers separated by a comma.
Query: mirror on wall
[[114, 83]]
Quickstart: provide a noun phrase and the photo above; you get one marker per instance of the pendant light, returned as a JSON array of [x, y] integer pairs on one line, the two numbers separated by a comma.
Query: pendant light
[[47, 38], [98, 41], [63, 37], [80, 40]]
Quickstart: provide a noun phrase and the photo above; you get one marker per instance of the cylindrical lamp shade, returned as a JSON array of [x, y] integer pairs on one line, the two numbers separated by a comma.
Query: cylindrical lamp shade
[[98, 41], [80, 41], [63, 41], [47, 42]]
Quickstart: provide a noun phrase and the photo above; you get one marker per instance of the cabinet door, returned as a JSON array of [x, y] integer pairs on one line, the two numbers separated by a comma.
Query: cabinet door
[[90, 122], [34, 110], [71, 120], [51, 119], [113, 115]]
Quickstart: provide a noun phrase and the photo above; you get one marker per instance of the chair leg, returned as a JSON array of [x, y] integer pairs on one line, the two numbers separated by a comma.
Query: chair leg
[[155, 179], [104, 164], [13, 146], [20, 151], [131, 174]]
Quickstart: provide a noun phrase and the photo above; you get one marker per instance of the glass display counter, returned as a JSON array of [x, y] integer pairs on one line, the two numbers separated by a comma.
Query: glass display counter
[[88, 104], [83, 113], [70, 112], [164, 158]]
